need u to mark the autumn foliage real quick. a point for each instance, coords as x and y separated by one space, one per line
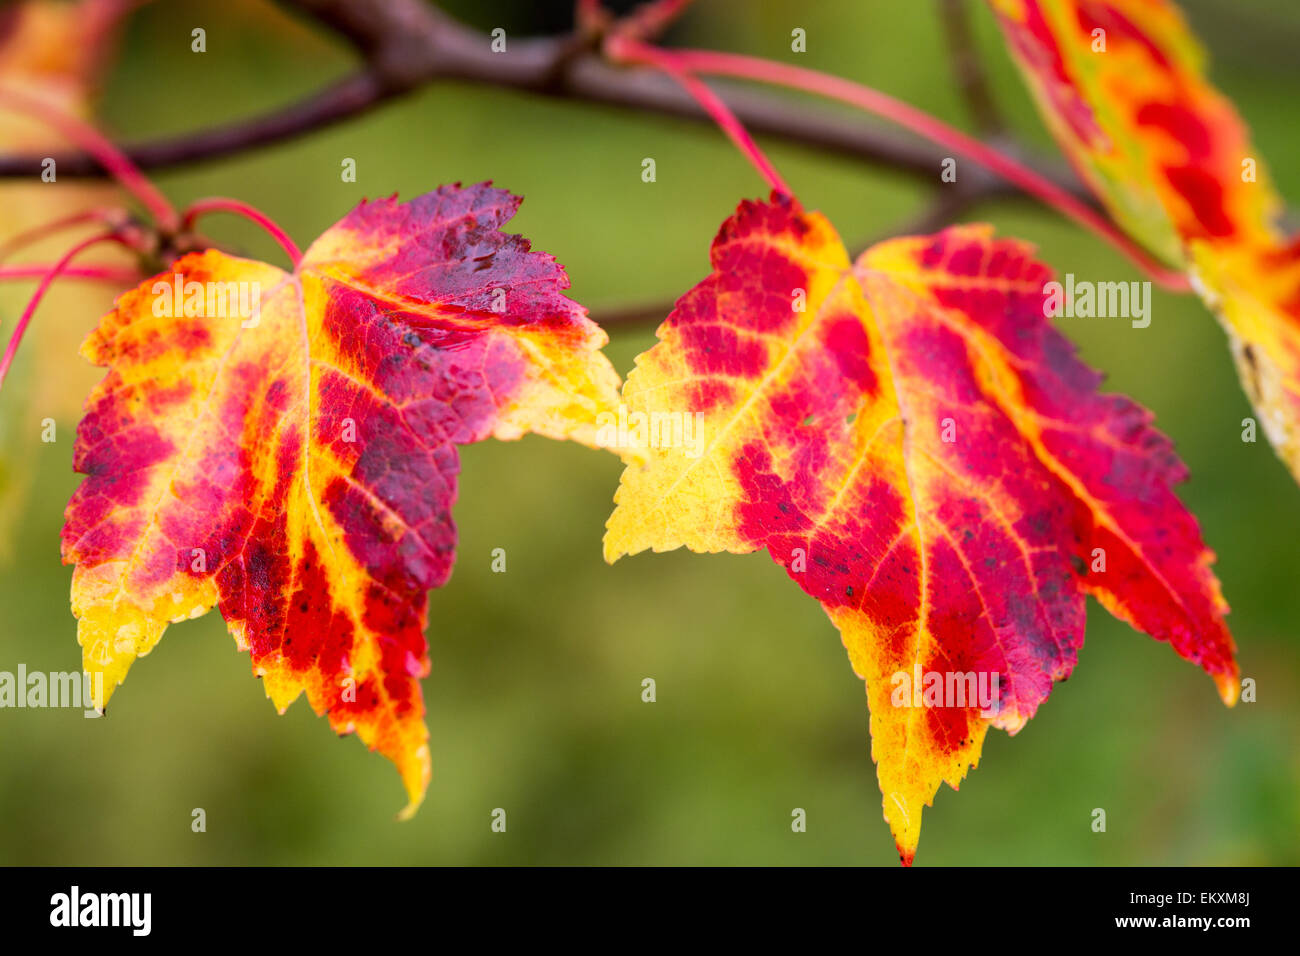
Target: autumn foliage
1122 86
831 438
905 431
295 465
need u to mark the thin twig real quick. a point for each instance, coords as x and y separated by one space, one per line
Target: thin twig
968 71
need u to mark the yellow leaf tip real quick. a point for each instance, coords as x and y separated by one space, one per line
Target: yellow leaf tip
1229 687
417 771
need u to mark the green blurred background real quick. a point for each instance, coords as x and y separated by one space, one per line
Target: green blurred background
534 703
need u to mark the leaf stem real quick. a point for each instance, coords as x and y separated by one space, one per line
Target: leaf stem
251 213
624 49
51 273
100 147
122 274
923 124
107 217
652 18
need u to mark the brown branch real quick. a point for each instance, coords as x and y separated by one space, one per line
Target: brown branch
407 44
345 99
967 69
645 312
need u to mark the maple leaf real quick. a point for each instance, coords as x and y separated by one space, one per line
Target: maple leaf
1122 86
295 464
922 451
52 52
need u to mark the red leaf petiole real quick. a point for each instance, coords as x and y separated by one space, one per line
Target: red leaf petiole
47 279
99 146
624 49
873 101
118 274
251 213
111 218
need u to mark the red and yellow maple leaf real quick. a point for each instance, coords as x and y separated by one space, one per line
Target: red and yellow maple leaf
293 460
1122 86
50 52
909 436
